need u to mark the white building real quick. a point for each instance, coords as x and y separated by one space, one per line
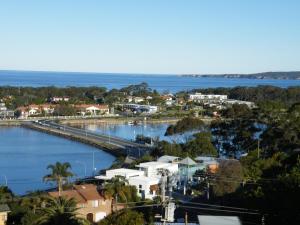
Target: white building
2 106
126 173
151 169
141 108
239 102
59 99
202 97
92 109
138 99
147 187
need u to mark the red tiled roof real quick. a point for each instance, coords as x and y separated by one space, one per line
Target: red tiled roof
69 194
81 193
88 191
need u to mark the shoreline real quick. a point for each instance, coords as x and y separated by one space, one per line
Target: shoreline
107 120
118 120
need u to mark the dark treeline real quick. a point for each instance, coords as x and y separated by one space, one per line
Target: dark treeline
20 96
265 75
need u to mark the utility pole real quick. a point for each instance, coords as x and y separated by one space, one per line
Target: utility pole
258 149
186 218
163 192
207 191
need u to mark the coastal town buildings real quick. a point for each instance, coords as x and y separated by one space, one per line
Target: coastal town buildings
90 203
30 110
217 101
35 110
151 169
147 187
57 99
48 109
4 112
147 178
136 108
206 97
92 109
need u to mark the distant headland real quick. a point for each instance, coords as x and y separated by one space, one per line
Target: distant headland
291 75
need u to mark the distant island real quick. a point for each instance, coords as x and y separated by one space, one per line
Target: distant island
293 75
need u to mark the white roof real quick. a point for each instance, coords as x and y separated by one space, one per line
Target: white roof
152 164
120 172
188 161
167 158
123 170
205 158
219 220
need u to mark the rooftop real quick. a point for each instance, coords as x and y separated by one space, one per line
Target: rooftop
81 193
219 220
4 208
167 158
187 161
152 164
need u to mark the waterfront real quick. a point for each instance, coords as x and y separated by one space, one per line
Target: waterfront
25 154
172 83
129 132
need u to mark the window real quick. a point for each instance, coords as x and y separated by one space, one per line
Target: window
4 218
82 205
140 186
95 203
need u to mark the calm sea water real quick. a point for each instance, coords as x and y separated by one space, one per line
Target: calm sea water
130 132
161 83
25 154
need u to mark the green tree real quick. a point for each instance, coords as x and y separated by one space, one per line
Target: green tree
229 177
59 174
64 110
60 211
201 145
125 217
116 188
185 124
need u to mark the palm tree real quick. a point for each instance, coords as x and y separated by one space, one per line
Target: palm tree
116 189
59 174
60 211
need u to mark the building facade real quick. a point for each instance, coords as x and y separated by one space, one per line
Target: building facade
91 204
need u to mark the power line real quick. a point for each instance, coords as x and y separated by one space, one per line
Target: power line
221 210
220 206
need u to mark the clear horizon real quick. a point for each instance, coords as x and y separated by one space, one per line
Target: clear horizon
141 73
157 37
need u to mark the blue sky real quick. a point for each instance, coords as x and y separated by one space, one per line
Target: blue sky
150 36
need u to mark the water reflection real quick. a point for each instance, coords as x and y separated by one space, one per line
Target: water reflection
25 154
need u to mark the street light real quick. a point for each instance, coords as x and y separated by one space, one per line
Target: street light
81 163
94 168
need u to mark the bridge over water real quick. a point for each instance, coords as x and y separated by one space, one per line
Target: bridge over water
114 145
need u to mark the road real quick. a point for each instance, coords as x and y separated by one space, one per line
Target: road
131 148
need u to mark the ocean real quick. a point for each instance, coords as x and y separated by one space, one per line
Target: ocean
162 83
